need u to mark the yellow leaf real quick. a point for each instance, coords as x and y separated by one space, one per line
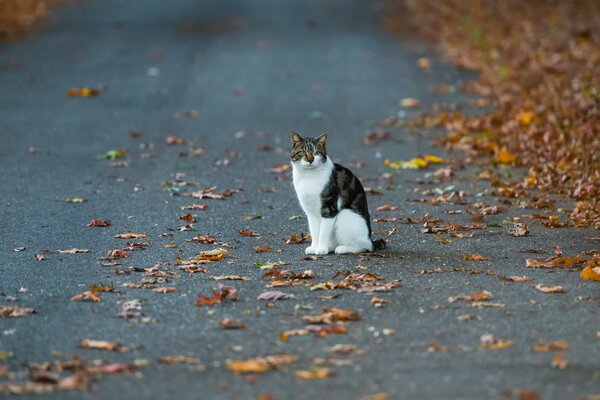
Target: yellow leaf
590 274
503 156
525 117
433 159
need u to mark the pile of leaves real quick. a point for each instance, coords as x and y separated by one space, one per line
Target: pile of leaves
18 17
538 65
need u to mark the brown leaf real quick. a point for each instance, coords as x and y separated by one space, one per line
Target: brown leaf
559 362
131 235
332 314
519 229
230 278
388 207
318 373
302 238
246 232
542 287
175 141
89 295
103 345
260 364
490 343
190 218
14 312
280 168
590 274
558 345
263 249
98 223
203 239
475 257
513 278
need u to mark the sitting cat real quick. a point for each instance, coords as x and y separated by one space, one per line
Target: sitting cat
333 199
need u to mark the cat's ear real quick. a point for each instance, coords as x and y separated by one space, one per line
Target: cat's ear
296 138
322 139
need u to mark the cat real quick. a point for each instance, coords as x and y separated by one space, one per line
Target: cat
333 200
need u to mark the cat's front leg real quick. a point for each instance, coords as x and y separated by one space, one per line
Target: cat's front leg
314 222
325 243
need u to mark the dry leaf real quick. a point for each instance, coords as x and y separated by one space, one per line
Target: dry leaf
230 278
261 364
98 223
409 102
232 323
179 360
14 312
489 342
558 345
89 295
275 295
559 362
475 257
263 249
542 287
203 239
246 232
73 251
388 207
318 373
590 274
513 278
103 345
131 235
169 289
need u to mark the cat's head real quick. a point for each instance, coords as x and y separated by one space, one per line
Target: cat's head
307 152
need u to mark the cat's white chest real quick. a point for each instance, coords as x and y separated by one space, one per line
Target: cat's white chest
309 185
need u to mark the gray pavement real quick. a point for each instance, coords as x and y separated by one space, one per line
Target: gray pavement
263 68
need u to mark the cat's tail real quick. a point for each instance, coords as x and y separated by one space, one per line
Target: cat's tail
378 244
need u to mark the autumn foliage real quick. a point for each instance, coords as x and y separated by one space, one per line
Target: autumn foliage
18 17
537 65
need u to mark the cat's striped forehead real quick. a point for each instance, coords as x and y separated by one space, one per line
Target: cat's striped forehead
308 146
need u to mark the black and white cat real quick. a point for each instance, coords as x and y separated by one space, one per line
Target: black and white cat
332 198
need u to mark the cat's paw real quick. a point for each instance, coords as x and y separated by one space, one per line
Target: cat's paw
310 250
321 251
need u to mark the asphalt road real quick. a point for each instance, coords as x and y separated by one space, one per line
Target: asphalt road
263 68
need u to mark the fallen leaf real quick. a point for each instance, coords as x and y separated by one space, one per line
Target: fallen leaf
558 345
559 362
103 345
89 295
302 238
503 156
513 278
246 232
98 223
83 92
475 257
169 289
203 239
195 207
519 229
15 312
490 343
230 278
73 251
260 364
409 102
232 323
175 141
189 218
542 287
388 207
131 235
590 274
212 255
332 314
280 168
263 249
179 360
75 200
318 373
275 295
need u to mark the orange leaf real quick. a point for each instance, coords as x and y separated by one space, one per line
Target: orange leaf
591 274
